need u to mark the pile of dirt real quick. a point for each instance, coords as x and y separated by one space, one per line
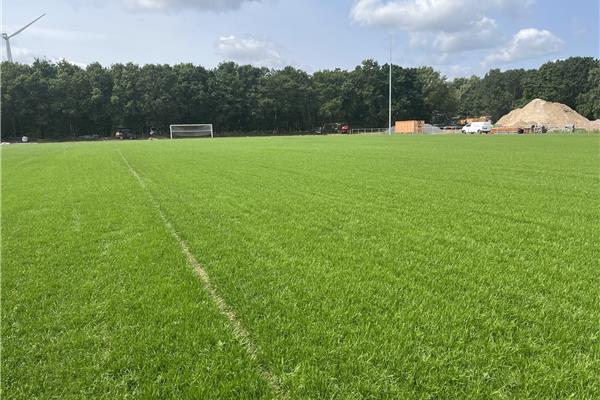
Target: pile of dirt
551 115
594 126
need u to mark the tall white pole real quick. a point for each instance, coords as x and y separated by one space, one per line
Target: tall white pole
8 52
390 91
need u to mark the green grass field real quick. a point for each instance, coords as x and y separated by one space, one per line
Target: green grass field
437 267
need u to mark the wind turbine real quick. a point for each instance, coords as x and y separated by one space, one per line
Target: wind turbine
7 37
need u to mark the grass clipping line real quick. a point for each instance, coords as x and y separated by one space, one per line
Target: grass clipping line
240 333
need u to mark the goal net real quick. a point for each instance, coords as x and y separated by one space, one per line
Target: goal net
191 130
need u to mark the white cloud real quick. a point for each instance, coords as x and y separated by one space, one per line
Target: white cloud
59 59
249 50
429 15
440 27
526 44
57 34
479 35
202 5
19 54
27 56
458 70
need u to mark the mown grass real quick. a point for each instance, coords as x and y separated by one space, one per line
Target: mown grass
97 300
363 267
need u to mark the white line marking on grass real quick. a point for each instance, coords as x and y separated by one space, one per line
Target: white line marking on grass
240 333
76 217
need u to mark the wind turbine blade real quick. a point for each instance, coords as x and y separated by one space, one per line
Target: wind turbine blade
26 26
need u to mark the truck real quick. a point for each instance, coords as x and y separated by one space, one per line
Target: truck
477 127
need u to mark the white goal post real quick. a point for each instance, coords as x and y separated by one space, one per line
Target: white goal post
191 130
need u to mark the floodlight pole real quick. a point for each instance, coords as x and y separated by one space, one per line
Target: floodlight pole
390 89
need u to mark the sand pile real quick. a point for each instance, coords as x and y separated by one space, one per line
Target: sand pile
594 126
551 115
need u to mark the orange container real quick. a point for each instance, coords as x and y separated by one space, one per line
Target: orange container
412 126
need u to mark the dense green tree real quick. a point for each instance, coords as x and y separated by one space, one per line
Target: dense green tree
286 101
439 101
224 102
494 95
158 104
17 113
126 97
58 100
70 90
501 92
190 93
333 94
369 102
588 103
97 105
561 81
469 95
41 100
408 101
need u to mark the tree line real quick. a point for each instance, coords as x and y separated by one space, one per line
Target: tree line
58 100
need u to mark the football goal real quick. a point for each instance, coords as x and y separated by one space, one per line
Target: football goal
191 130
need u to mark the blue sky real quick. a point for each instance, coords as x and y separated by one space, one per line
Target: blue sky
457 37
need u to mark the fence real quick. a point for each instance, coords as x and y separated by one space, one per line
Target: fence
369 130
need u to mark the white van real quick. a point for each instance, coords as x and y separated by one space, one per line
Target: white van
477 127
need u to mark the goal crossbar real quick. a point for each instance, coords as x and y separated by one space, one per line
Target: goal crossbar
191 130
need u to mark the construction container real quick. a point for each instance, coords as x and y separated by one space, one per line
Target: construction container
412 126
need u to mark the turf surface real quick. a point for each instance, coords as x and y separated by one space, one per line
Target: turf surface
362 267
